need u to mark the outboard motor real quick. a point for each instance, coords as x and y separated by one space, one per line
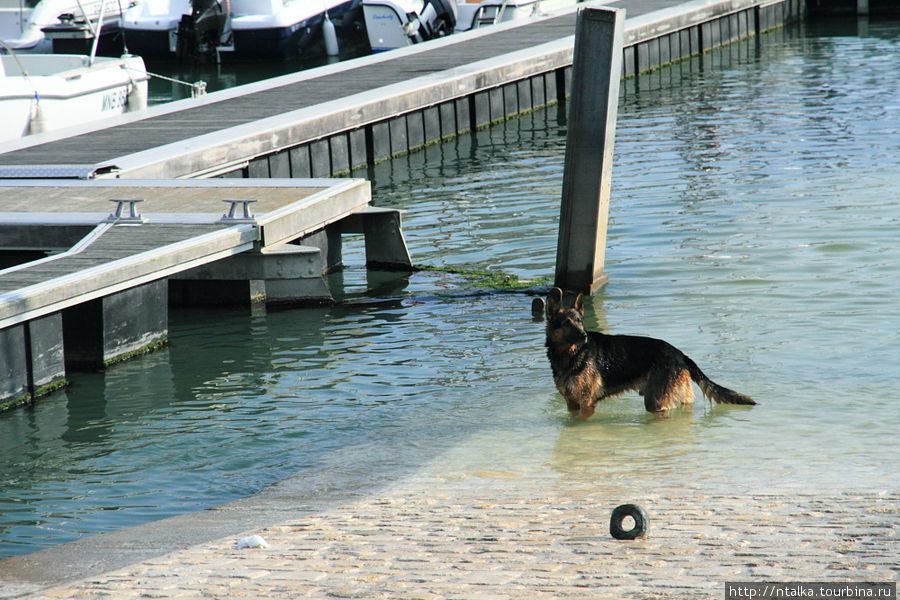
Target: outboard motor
438 19
200 32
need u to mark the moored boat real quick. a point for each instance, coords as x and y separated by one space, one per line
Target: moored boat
397 23
473 15
22 22
239 29
45 92
394 24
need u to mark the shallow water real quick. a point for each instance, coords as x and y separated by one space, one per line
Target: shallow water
753 224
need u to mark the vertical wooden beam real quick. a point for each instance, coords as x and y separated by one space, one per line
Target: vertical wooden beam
597 69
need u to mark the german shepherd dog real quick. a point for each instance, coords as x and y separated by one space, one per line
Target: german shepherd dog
589 366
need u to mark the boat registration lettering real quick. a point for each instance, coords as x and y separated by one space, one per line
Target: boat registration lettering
115 100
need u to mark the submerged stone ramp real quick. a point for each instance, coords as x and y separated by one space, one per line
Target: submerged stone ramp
495 535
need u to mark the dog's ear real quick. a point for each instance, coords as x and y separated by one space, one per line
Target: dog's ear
579 304
554 300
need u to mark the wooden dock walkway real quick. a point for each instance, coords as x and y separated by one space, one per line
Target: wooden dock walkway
180 225
90 273
325 121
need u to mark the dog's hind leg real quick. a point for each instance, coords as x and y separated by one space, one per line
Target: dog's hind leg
681 390
666 389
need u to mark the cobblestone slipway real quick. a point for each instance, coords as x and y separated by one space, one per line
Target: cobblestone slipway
496 535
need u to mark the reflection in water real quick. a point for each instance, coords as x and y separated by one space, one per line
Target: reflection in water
752 225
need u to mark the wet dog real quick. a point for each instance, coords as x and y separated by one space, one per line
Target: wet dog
589 366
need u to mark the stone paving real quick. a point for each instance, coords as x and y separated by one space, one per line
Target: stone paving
497 536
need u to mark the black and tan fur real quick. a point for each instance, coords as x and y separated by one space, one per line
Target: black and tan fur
589 366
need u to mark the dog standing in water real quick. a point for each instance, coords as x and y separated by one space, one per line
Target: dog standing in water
589 366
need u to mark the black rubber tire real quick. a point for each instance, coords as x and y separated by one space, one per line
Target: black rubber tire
641 522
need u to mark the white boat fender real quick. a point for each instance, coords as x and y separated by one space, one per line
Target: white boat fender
38 121
330 35
137 94
136 98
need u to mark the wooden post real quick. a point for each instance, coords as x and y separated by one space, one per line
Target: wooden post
596 71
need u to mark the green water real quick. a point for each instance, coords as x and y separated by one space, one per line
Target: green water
754 224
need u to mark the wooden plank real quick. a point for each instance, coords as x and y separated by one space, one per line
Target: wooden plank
118 243
172 199
116 256
73 280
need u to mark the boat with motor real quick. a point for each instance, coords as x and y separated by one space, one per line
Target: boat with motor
23 22
239 29
45 92
397 23
473 15
394 24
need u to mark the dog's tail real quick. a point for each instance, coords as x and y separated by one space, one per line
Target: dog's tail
713 390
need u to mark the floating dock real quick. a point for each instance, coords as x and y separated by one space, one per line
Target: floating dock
91 267
324 122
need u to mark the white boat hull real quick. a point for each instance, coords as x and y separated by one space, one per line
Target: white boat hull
392 23
64 90
22 28
280 29
386 24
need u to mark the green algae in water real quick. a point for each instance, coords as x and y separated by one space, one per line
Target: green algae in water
490 280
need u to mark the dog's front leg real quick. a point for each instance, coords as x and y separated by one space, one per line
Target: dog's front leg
580 397
591 395
587 409
572 403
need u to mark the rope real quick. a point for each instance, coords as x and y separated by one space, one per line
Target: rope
197 89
